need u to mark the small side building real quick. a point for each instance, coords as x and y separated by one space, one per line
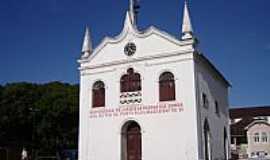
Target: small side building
258 133
250 132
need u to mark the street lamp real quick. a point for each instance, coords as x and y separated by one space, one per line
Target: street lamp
6 152
33 111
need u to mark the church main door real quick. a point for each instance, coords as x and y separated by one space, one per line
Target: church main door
132 138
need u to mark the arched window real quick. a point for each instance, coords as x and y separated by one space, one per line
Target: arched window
166 87
264 137
131 141
98 94
131 81
207 141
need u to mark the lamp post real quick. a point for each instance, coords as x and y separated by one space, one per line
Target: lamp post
33 111
6 152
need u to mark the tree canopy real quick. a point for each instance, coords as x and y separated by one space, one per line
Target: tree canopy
43 116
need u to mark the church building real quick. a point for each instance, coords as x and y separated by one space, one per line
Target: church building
146 95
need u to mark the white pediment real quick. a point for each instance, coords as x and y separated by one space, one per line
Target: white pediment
150 43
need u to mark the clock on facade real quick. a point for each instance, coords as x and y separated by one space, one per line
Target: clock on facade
130 49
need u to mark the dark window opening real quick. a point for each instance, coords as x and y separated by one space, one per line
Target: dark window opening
205 100
216 108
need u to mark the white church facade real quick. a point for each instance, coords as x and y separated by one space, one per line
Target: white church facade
145 95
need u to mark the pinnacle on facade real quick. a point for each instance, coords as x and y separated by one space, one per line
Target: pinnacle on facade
87 44
133 11
187 31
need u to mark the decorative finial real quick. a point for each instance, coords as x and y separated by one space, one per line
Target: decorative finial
187 31
87 44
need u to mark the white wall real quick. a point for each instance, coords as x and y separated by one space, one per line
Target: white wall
164 134
172 135
216 90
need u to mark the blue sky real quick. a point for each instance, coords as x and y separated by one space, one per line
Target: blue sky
40 40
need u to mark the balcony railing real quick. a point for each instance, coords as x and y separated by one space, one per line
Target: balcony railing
130 97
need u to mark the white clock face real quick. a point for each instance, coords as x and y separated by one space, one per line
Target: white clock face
130 49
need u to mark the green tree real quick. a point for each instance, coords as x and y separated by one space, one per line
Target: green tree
57 120
42 116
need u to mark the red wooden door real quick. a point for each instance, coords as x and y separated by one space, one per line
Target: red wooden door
133 142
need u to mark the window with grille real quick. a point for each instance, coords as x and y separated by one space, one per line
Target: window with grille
98 94
166 87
